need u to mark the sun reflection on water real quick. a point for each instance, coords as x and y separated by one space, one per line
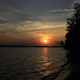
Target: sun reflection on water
44 61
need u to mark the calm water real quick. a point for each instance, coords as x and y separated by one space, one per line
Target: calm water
29 63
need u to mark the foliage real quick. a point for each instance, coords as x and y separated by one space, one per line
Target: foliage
72 42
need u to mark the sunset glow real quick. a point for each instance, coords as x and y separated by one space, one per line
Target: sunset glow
33 24
45 41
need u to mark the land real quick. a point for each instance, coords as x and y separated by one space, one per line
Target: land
25 46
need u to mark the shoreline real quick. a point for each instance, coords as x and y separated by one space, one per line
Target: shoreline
26 46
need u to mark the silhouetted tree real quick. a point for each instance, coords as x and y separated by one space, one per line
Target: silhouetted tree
62 43
72 42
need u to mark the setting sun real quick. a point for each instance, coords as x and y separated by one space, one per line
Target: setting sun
45 41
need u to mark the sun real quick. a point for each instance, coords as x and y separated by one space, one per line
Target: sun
45 41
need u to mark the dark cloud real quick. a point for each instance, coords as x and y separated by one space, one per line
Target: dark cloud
2 32
48 4
3 21
23 10
9 31
13 15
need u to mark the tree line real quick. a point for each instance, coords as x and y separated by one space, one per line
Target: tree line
72 41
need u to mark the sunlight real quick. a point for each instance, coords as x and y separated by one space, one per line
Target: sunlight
45 41
45 62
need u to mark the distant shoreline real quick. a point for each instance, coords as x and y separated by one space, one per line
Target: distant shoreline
26 46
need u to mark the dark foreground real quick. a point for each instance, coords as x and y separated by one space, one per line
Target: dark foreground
73 68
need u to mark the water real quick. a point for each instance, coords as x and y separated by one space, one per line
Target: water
30 63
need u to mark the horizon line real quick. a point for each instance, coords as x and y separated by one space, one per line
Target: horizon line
26 46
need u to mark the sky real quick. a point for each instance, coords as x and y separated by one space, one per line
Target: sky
29 22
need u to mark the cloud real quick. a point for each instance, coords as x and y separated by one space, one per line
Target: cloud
33 25
3 21
29 26
8 27
33 19
65 10
15 10
59 16
17 16
13 15
2 32
35 16
77 1
48 30
34 10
